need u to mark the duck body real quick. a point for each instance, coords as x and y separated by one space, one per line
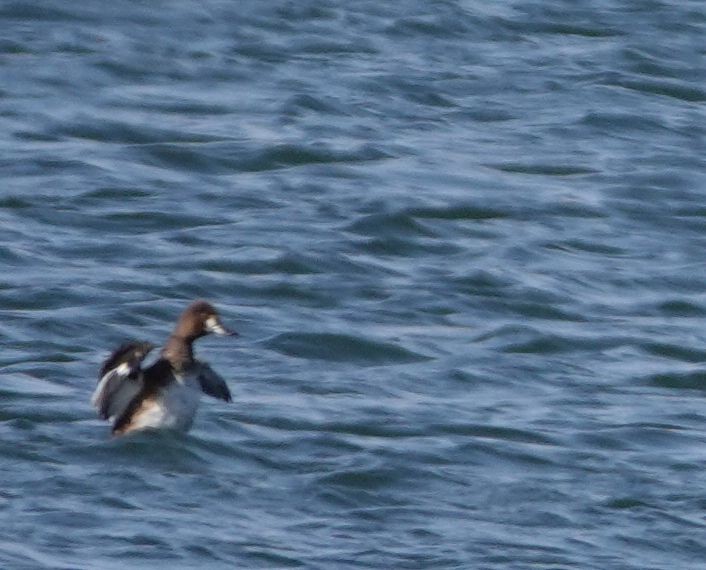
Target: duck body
171 397
166 394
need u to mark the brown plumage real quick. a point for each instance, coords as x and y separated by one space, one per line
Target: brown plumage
166 393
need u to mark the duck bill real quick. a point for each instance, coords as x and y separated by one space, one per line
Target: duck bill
214 325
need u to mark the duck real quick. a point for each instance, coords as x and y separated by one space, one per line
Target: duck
164 395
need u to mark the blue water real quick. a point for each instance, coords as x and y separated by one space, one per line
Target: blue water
464 244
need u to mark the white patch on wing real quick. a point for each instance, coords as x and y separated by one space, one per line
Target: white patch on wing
115 391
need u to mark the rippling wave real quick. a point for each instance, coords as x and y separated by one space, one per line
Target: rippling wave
463 245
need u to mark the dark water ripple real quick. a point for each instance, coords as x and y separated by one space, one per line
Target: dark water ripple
463 245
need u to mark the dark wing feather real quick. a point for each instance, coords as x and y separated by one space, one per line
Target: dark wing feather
131 353
212 384
121 378
152 379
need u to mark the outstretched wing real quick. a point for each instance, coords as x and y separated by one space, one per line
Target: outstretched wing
212 384
120 379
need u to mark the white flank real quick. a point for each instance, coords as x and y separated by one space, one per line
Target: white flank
175 407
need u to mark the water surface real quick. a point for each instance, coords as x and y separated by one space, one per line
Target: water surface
463 244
